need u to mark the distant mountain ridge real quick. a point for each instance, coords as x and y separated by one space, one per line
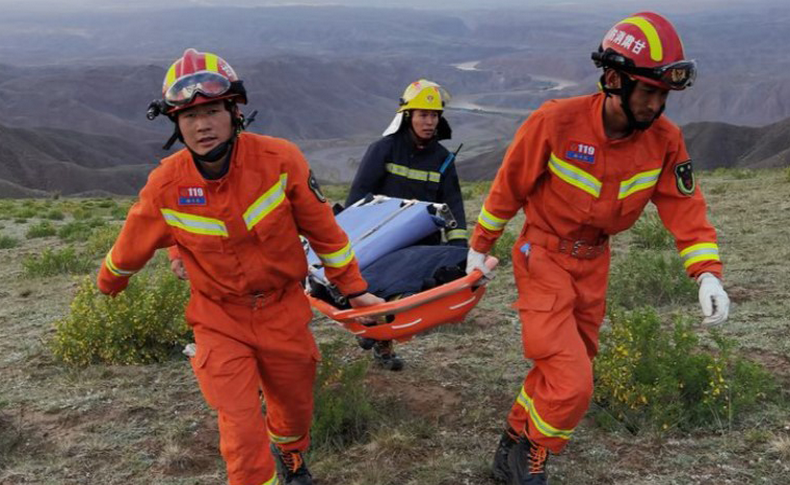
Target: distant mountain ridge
49 160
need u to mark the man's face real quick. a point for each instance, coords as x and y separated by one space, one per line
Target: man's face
205 126
424 123
646 101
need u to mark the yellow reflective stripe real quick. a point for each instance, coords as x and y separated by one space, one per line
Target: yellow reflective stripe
545 428
412 173
700 252
273 480
490 221
575 176
170 78
456 234
195 224
266 203
396 169
211 62
656 49
114 269
281 440
640 181
338 259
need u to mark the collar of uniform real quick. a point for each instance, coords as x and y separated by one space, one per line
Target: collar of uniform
194 171
596 112
407 139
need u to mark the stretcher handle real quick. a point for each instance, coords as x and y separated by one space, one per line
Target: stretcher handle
399 306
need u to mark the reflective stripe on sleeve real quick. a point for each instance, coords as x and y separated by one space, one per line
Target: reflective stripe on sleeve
266 203
413 173
195 224
490 221
114 269
456 234
700 252
640 181
575 176
545 428
338 259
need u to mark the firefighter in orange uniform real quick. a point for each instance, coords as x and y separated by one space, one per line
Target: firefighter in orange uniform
583 169
234 204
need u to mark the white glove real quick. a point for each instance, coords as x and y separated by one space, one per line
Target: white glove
475 260
713 299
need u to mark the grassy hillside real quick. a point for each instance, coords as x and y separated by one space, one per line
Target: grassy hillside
437 421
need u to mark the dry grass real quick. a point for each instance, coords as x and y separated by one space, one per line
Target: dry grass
442 415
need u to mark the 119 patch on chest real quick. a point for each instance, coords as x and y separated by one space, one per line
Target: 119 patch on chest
192 196
583 152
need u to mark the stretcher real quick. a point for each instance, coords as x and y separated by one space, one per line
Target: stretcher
378 226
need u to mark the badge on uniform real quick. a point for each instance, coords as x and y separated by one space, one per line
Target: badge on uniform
684 178
191 196
312 182
583 152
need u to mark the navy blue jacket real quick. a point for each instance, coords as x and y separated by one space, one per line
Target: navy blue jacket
395 167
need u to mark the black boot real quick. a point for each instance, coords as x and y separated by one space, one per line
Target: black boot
500 468
366 343
384 356
291 467
527 462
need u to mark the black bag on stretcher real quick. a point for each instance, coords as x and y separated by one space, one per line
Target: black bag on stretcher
427 285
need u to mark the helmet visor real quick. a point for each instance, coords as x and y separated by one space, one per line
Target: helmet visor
678 75
184 90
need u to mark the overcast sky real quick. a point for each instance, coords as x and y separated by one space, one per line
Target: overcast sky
54 5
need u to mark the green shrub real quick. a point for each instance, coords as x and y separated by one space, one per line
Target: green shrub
102 239
651 378
42 229
640 278
503 246
736 173
54 262
20 220
25 213
83 212
96 222
55 215
8 242
75 231
143 324
343 408
106 203
649 233
475 190
121 209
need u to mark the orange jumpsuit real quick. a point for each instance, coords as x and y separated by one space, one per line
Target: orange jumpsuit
239 240
577 187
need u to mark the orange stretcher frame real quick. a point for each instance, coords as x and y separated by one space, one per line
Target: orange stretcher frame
403 319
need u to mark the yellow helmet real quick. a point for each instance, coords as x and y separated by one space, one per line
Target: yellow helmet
424 94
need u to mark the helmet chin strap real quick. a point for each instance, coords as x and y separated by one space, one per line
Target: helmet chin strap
216 153
625 90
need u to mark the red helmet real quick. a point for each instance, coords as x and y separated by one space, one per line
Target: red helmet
647 47
200 73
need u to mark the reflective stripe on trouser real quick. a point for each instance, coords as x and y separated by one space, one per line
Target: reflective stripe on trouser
242 349
561 306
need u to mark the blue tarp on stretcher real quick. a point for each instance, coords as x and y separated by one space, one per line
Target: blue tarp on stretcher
383 226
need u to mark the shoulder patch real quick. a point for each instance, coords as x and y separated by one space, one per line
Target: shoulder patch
312 182
684 178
